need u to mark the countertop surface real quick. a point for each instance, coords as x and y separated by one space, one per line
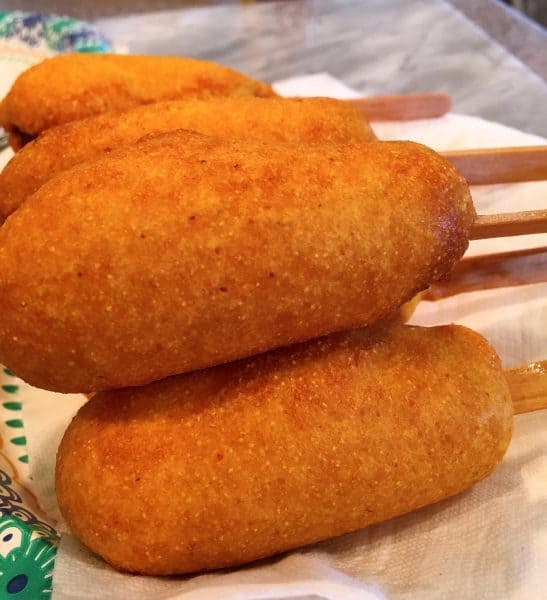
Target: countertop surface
490 60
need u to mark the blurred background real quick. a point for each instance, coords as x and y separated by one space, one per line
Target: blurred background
85 9
519 25
535 9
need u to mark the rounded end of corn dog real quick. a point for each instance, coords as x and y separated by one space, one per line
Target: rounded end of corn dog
16 138
234 463
69 87
148 265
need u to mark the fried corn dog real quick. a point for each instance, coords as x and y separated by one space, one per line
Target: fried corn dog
186 251
246 460
69 87
313 120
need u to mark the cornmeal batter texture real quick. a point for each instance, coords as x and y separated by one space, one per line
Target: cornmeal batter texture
69 87
225 272
245 460
185 251
306 120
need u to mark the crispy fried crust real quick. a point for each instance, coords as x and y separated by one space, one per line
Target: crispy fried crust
307 120
242 461
186 251
74 86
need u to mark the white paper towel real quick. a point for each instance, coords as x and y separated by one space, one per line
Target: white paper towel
488 543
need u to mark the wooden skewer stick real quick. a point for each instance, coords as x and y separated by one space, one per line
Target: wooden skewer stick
405 107
500 165
479 166
528 385
509 224
490 271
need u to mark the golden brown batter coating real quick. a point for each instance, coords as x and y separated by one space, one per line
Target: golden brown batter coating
69 87
186 251
308 120
245 460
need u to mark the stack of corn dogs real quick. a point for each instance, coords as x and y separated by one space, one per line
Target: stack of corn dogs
231 296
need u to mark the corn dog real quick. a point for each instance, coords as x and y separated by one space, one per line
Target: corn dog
313 120
69 87
249 459
186 251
